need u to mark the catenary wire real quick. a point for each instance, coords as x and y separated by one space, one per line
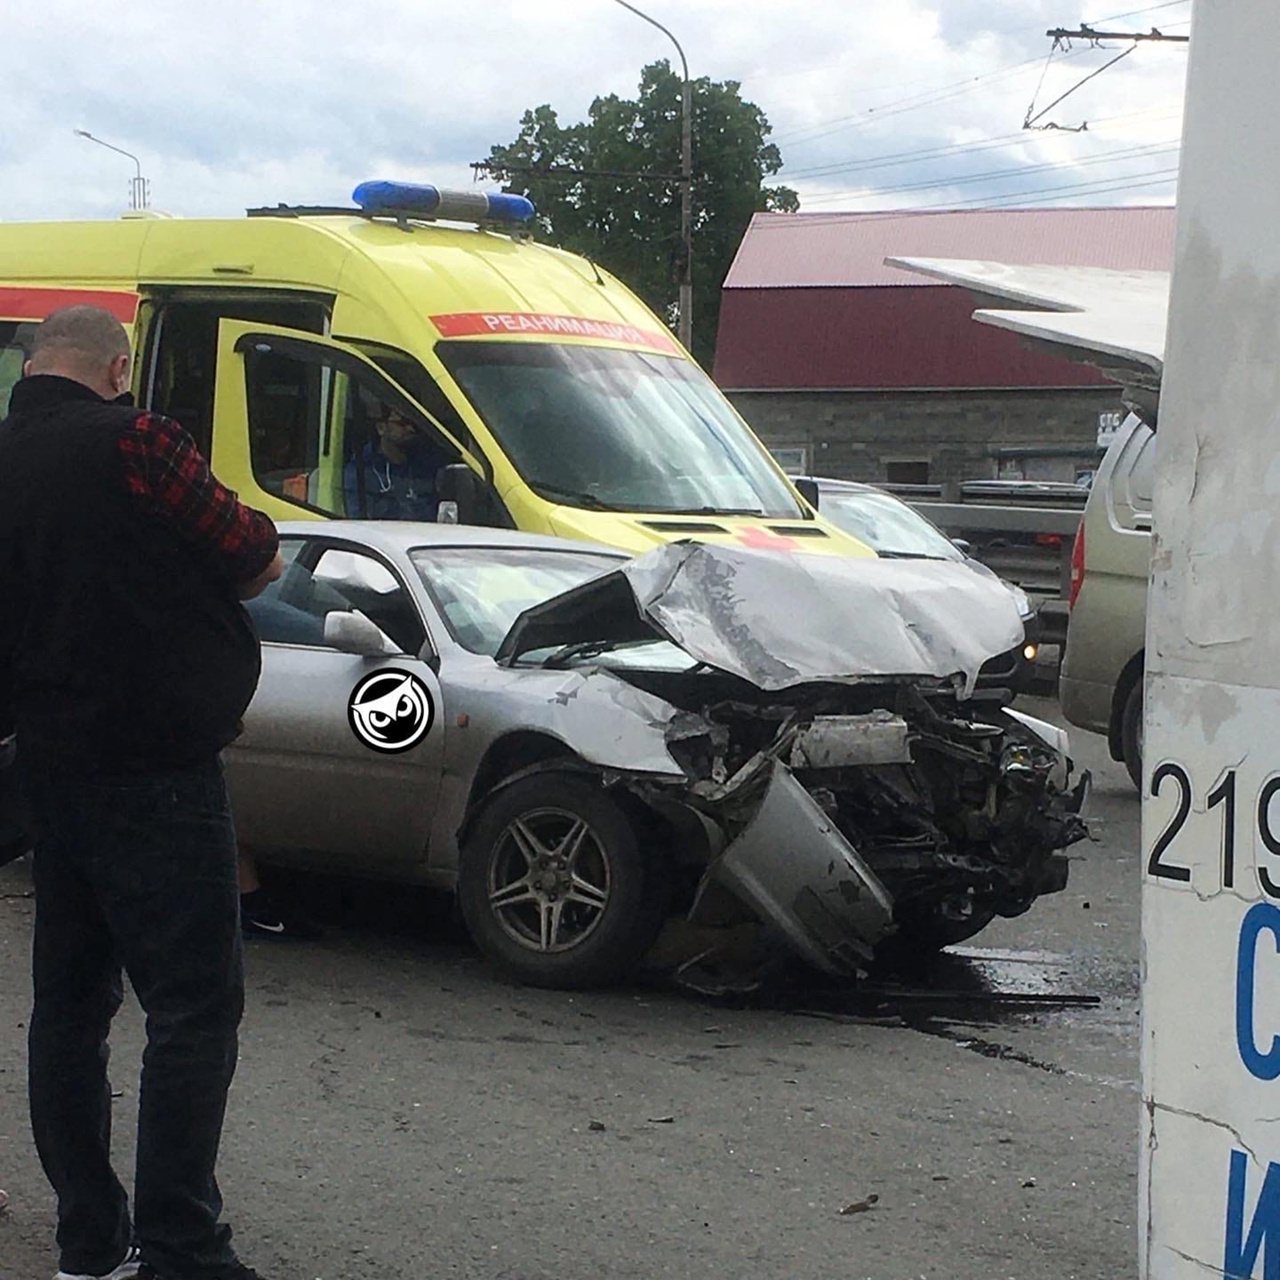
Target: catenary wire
937 184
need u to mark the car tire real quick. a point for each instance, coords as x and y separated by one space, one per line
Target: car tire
556 886
1131 733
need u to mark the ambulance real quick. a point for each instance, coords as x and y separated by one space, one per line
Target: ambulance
546 395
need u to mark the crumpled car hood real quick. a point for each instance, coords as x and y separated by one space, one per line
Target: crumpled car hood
783 620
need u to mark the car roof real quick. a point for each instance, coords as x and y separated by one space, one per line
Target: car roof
844 486
399 536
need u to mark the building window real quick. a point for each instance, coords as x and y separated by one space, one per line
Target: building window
906 472
793 459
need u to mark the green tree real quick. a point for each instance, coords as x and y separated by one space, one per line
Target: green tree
631 225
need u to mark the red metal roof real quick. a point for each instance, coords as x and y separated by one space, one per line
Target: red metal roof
809 304
807 250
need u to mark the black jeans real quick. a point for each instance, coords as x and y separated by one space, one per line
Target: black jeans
139 873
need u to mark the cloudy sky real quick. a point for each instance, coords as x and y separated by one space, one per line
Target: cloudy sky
874 103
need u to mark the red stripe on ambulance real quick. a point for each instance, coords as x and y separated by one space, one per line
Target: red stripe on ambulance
35 304
473 324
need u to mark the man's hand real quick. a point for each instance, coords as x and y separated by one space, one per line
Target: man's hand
255 587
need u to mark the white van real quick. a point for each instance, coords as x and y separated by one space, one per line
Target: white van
1102 670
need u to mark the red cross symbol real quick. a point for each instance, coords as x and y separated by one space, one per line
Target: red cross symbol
762 540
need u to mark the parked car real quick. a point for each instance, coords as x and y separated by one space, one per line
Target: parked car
579 744
896 531
1102 671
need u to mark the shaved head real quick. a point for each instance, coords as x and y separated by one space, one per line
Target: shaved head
87 344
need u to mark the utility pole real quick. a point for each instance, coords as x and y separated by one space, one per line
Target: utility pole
1083 32
685 324
1062 39
138 195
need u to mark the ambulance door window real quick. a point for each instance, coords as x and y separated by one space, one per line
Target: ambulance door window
336 442
13 343
184 352
410 374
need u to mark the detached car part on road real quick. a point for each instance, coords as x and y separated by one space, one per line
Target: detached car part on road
581 744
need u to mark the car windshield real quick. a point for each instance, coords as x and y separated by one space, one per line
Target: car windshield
481 591
618 430
889 527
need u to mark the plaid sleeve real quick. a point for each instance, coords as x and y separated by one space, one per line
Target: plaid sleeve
168 476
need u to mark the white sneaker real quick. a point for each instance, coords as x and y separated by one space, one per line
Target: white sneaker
127 1269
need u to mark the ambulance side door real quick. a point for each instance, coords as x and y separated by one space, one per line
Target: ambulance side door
295 413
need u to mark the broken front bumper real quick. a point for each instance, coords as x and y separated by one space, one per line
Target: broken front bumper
799 872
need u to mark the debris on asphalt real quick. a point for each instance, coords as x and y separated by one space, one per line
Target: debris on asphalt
860 1206
595 1126
662 1119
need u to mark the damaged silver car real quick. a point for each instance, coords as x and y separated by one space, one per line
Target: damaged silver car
582 745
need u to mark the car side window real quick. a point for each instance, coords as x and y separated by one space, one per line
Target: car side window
335 580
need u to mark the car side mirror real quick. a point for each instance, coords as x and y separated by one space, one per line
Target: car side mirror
807 488
965 548
351 632
458 489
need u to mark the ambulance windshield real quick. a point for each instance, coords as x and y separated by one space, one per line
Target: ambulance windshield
618 430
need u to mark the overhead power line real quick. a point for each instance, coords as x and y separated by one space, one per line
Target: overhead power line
1137 13
893 159
944 184
1009 200
499 169
805 133
869 115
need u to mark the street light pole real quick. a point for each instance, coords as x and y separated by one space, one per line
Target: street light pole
137 184
685 320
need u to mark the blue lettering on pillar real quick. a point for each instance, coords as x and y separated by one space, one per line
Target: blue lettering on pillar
1262 917
1241 1253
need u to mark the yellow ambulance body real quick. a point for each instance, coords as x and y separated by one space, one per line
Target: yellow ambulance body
556 400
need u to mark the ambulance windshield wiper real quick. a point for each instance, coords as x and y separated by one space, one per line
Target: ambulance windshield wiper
571 496
711 511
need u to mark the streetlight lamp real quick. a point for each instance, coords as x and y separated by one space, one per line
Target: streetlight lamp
685 329
137 184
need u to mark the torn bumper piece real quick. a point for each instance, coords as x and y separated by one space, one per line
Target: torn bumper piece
802 876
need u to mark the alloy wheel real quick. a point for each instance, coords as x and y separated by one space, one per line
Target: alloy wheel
549 880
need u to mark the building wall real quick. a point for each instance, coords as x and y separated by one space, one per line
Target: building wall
958 435
886 336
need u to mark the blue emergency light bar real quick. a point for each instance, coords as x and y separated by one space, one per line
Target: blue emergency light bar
410 199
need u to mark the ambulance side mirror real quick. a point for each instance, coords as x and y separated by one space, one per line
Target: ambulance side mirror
459 491
807 488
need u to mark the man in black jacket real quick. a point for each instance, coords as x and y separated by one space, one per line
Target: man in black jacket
126 662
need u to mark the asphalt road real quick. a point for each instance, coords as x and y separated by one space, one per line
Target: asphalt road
399 1112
